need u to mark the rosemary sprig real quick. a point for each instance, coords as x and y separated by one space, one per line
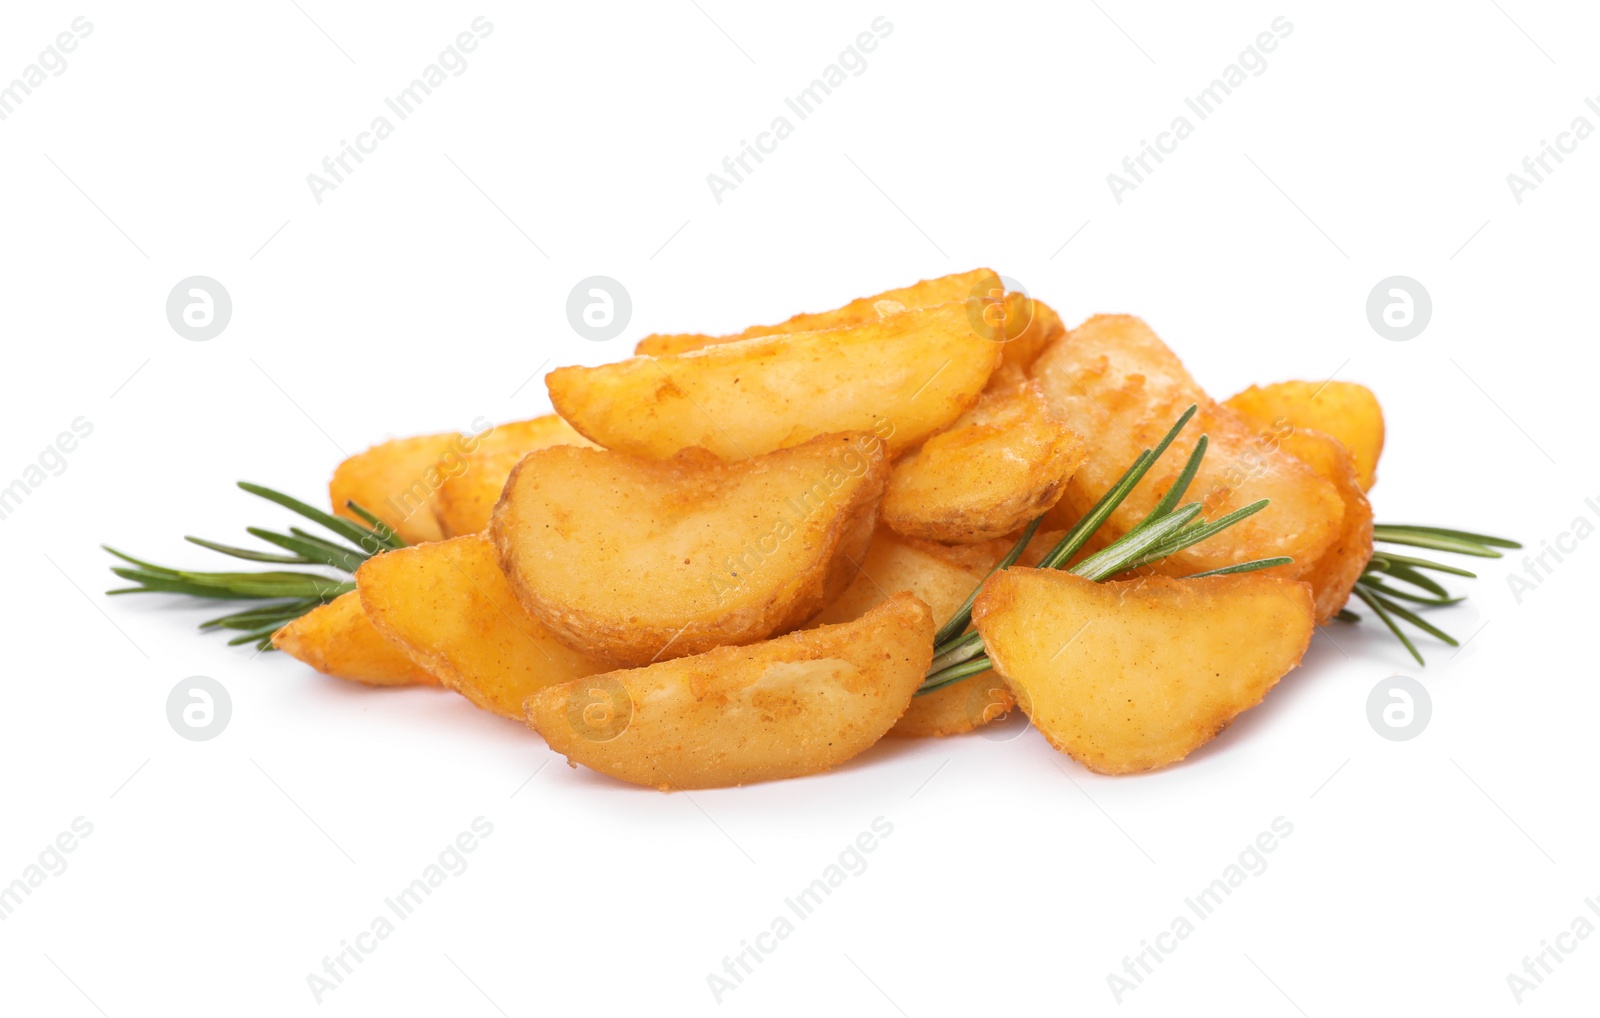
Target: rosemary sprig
1373 588
1167 529
285 594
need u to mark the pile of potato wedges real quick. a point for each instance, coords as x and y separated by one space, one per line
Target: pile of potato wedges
724 559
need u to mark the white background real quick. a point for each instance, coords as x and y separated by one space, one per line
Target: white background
427 289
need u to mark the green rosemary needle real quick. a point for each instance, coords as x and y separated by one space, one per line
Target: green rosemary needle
285 595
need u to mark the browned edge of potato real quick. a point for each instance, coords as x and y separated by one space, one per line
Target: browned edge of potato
466 497
787 707
1346 410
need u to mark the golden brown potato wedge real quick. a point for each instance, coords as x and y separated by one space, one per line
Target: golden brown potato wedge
642 560
1336 571
998 466
1345 410
449 606
927 293
895 564
1130 676
1121 388
470 489
1031 326
338 639
396 481
790 706
904 377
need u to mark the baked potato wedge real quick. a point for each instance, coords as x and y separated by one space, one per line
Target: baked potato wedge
397 481
925 294
338 639
638 560
1334 574
468 493
895 564
1129 676
998 466
1031 326
1120 387
1345 410
905 376
783 708
449 607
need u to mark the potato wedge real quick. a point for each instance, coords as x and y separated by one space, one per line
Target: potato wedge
895 564
641 560
1120 387
998 466
449 607
1130 676
787 707
905 377
1345 410
927 293
1336 571
1039 327
396 481
338 639
473 484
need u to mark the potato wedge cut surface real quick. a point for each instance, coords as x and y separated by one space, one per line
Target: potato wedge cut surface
1130 676
473 483
641 560
1120 387
998 466
904 377
338 639
895 564
1335 572
794 705
1345 410
927 293
449 606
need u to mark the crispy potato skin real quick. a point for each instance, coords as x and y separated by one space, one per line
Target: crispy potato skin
338 639
1031 325
642 560
893 564
998 466
1120 387
1131 676
1335 573
1345 410
397 481
448 606
473 482
795 705
905 377
927 293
